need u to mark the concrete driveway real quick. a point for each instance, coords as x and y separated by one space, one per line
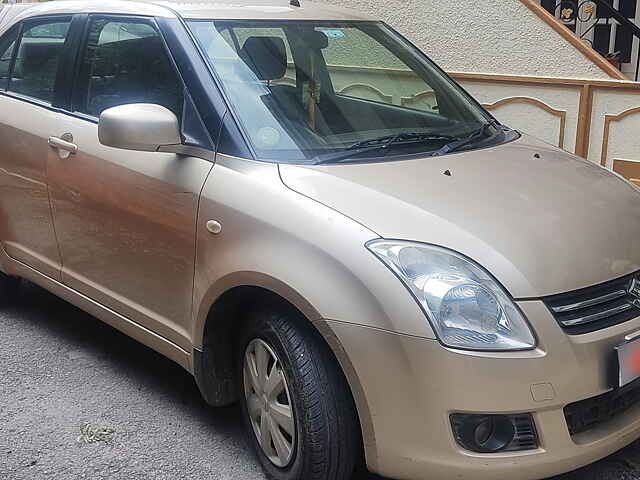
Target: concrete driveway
79 400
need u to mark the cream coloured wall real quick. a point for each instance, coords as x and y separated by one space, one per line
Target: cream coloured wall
539 115
616 138
607 111
487 36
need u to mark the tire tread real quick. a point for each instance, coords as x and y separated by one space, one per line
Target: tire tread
332 448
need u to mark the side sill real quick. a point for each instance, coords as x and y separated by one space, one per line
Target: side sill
108 316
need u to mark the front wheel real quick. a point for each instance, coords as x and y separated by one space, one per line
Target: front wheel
296 404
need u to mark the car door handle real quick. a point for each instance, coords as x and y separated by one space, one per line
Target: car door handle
63 144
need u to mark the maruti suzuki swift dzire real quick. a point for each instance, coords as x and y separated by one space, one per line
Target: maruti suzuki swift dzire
297 206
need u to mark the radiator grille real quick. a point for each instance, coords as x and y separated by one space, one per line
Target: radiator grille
597 307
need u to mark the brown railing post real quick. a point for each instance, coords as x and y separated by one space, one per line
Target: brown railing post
585 111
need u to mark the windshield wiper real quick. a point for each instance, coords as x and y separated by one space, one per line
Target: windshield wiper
481 132
388 140
381 143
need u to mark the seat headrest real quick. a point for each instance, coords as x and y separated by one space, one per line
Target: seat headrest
266 56
316 40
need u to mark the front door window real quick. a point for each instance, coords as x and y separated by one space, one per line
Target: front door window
125 62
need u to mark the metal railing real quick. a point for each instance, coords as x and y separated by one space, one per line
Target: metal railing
584 17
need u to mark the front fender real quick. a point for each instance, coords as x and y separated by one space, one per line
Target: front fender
248 279
309 254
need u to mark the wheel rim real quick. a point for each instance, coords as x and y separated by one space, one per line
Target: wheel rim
269 403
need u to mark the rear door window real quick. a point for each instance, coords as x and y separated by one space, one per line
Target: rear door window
125 61
38 58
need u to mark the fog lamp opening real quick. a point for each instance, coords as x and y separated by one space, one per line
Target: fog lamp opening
494 433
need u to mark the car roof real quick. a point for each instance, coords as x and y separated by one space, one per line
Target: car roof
261 9
195 9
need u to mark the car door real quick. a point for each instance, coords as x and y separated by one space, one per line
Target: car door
32 61
126 220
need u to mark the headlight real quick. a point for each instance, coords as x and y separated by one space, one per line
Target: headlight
465 305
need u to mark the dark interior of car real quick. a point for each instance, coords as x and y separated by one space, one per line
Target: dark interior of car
35 68
267 57
131 71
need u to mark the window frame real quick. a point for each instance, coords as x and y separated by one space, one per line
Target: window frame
79 85
217 118
419 61
201 93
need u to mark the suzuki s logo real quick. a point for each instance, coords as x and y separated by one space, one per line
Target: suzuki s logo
634 290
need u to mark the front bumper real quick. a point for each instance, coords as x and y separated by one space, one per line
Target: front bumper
409 386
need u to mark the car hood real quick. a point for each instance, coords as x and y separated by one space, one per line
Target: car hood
541 220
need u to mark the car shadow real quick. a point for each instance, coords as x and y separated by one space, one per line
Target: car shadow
150 371
154 373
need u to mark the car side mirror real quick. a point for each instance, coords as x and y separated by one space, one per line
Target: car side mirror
143 127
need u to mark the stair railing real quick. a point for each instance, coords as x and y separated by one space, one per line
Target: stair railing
577 12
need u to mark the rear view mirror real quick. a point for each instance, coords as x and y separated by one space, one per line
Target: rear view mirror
139 126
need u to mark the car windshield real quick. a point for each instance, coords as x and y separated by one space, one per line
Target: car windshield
323 92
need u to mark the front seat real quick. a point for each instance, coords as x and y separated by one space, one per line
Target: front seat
267 58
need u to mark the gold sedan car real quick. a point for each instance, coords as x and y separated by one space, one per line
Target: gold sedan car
296 205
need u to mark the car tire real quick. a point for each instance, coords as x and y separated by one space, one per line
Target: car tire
324 443
9 287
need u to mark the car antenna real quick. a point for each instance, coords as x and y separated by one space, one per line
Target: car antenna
294 3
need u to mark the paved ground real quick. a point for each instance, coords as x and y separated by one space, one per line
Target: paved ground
78 400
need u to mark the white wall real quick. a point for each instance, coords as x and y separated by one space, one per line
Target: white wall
482 36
